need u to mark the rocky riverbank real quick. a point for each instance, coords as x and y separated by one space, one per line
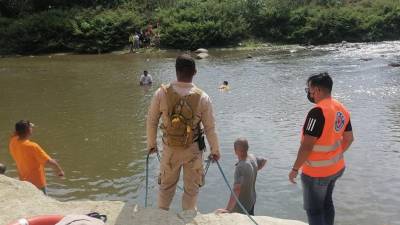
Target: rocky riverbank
22 200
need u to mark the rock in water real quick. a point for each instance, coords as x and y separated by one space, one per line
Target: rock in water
202 55
366 59
201 50
394 64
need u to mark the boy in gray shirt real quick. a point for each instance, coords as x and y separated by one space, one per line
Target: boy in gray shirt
245 179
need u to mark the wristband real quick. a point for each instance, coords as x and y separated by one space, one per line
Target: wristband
295 170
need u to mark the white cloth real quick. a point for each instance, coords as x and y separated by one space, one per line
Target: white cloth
145 80
79 220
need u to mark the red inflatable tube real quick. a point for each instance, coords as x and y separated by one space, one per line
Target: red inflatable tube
39 220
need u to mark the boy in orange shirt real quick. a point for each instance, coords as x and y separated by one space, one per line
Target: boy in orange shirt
30 157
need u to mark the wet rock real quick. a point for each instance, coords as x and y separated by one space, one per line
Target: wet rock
201 50
366 59
249 56
202 55
394 64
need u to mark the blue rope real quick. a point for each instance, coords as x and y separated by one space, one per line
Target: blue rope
147 179
233 193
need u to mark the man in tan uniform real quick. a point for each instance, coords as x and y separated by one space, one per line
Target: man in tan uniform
184 110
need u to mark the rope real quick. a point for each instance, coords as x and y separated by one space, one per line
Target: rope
233 193
147 179
205 173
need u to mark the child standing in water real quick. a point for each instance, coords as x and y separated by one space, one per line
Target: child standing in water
245 179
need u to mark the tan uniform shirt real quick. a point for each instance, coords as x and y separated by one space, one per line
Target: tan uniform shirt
159 108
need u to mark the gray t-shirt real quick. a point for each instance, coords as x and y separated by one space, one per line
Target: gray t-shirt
246 175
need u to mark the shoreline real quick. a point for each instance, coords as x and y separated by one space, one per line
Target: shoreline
248 45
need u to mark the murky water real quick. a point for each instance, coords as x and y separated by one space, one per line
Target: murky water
90 115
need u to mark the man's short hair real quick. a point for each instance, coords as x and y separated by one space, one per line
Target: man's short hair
22 127
185 64
241 143
3 169
321 80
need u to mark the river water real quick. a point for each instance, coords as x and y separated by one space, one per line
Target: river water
90 115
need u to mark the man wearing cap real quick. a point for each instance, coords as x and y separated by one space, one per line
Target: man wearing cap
185 110
29 157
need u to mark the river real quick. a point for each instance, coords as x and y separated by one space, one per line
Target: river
90 115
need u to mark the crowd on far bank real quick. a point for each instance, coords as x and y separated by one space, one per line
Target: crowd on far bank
144 38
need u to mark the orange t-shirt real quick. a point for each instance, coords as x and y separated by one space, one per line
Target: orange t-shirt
30 159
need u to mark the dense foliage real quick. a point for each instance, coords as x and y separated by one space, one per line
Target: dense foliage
68 30
35 26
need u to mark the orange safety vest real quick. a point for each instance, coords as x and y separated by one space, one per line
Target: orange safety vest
326 158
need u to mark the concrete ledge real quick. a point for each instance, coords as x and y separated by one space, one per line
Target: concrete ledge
22 200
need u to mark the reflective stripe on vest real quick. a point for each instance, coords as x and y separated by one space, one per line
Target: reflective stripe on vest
327 148
323 163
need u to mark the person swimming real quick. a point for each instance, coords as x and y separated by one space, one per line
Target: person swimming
224 86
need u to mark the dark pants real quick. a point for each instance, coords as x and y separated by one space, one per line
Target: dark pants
237 209
44 190
317 196
251 211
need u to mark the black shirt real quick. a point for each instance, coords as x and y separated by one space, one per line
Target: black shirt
315 122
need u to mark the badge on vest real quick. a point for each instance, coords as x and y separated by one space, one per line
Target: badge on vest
339 121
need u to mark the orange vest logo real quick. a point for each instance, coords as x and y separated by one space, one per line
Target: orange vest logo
339 121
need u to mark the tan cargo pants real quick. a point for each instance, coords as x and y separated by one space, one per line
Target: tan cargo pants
172 161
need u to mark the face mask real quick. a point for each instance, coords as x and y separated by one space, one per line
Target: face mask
312 100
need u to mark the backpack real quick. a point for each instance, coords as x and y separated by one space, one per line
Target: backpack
179 129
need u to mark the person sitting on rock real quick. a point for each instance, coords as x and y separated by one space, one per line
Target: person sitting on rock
29 157
3 168
224 86
245 179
